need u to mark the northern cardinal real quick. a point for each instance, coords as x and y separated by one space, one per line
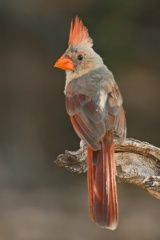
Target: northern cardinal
94 104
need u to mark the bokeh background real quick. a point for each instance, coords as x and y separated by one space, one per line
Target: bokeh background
38 200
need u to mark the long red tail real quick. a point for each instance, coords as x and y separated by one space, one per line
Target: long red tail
102 184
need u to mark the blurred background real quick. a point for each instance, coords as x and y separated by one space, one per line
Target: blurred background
38 200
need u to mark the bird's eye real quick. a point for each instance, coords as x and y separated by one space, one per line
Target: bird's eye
80 57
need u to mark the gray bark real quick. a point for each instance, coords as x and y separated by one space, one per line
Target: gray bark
137 163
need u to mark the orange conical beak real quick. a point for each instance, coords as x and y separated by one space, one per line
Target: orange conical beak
64 63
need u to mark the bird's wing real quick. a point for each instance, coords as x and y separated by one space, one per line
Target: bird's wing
116 120
87 119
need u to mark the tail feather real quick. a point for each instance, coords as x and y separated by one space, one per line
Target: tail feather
102 184
91 178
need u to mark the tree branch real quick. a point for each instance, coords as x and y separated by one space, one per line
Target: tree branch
137 163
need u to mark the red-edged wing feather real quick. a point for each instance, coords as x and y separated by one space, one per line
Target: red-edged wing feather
116 120
87 119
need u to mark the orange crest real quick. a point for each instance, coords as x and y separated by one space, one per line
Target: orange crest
79 34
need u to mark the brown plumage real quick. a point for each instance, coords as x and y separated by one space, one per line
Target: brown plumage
94 104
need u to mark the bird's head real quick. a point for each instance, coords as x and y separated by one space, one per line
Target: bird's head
80 57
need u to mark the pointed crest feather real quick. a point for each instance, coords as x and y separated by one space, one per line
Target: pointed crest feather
79 34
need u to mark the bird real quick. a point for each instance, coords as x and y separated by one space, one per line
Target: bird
94 104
